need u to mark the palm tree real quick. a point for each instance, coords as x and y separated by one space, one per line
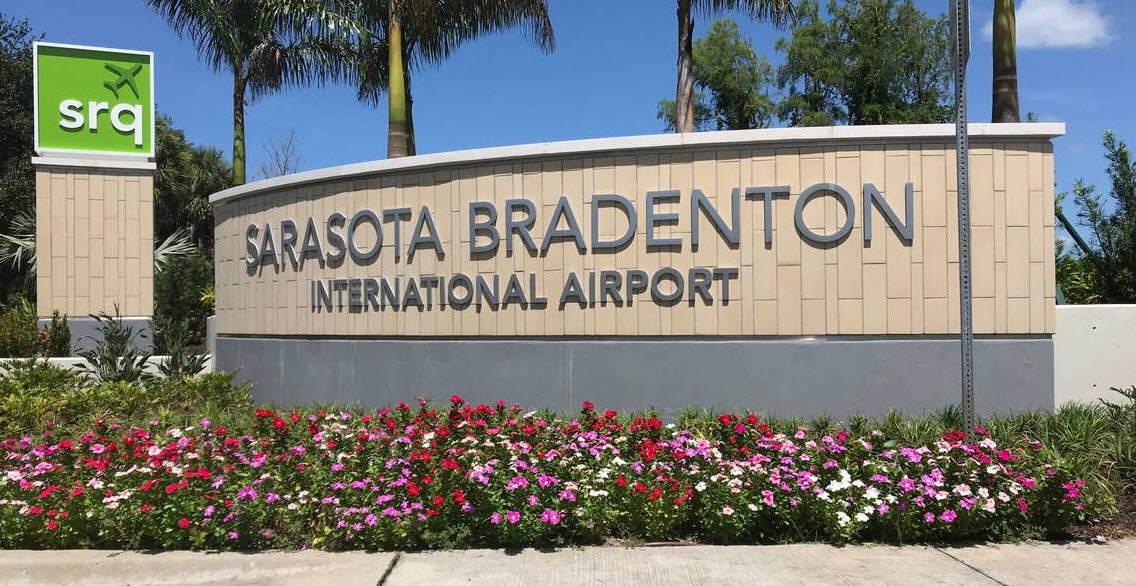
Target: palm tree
1005 103
263 44
407 34
777 12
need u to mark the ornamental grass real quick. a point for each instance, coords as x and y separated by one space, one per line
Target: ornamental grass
463 475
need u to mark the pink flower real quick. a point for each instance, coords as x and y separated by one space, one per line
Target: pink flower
949 516
513 517
550 516
495 518
929 517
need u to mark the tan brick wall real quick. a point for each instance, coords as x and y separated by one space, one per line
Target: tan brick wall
94 241
791 288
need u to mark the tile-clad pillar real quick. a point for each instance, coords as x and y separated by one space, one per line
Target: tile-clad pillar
95 242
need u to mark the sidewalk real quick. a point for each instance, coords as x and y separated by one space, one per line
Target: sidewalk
1027 563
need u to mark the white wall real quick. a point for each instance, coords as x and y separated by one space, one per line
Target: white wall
1094 348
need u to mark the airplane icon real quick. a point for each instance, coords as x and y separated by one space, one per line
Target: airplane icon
125 78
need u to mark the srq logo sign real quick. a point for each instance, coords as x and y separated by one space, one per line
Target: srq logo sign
90 99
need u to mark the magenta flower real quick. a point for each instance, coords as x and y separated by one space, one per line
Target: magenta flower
550 516
513 517
495 518
949 516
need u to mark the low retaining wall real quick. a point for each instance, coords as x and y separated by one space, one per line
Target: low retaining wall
839 375
1094 349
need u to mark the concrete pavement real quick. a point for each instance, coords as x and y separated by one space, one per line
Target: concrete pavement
1026 563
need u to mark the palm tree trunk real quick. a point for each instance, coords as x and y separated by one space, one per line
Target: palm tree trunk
411 149
684 93
1005 99
239 84
396 127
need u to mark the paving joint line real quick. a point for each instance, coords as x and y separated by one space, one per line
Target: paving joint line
390 569
991 578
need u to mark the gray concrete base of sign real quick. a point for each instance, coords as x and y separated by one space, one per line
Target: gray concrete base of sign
85 332
839 376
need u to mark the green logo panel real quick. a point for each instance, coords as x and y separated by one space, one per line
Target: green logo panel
94 100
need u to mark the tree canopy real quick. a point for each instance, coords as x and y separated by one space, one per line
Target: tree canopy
1107 272
17 177
869 62
732 83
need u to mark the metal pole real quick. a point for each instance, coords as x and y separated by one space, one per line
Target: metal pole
960 13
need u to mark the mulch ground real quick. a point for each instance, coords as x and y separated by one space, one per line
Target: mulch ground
1119 525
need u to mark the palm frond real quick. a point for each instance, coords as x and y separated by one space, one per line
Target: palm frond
180 243
18 246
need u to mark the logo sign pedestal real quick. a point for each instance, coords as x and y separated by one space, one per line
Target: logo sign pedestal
94 141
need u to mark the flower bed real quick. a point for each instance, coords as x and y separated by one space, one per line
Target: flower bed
494 476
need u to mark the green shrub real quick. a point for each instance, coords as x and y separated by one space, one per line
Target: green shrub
36 396
115 356
18 330
56 339
178 290
174 336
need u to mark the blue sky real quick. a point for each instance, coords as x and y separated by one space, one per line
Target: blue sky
614 60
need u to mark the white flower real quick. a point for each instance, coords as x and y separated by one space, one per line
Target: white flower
842 519
752 507
872 493
701 486
861 517
726 510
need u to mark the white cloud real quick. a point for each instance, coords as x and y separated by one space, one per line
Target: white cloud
1058 24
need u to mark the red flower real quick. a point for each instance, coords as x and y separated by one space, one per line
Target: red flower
412 489
47 491
954 436
438 501
183 523
658 492
725 419
621 482
589 406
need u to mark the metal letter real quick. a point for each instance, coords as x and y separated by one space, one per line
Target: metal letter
768 193
431 240
699 201
334 239
520 227
486 228
653 219
563 210
821 189
628 210
358 256
906 231
657 293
